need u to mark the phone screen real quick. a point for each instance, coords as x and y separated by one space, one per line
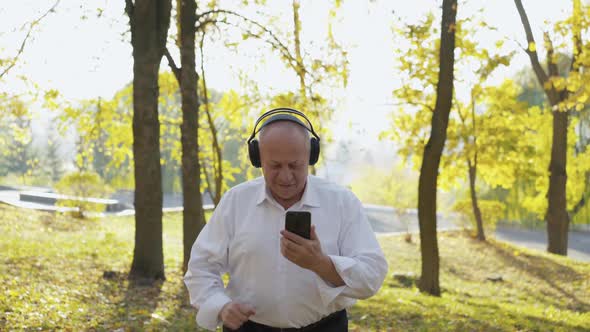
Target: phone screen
298 222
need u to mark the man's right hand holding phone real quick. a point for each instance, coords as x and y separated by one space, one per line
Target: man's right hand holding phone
308 254
234 314
305 253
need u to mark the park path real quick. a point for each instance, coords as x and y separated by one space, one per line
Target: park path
578 242
386 220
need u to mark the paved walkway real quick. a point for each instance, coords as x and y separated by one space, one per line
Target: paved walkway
11 197
578 242
386 220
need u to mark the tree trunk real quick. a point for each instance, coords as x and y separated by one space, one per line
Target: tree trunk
476 211
556 217
149 22
193 215
427 186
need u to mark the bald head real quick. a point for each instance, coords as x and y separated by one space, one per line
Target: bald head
286 131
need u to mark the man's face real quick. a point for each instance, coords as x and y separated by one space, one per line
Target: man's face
284 154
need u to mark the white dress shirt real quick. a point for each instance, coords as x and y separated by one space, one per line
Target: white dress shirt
242 238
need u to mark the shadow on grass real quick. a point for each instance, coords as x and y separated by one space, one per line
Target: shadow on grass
135 308
524 322
540 268
182 317
384 315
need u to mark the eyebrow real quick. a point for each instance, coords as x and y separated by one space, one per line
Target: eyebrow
289 162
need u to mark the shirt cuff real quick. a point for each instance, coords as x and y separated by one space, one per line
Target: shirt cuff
327 291
208 314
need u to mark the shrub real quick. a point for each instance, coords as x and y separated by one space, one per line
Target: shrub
79 187
491 212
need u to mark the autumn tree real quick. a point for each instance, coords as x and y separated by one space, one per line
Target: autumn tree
526 199
487 128
565 93
149 21
16 143
464 133
187 77
53 155
427 184
469 130
222 127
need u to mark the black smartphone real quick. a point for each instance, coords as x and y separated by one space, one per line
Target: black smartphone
299 222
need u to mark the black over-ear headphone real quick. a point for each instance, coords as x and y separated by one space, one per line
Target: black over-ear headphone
278 114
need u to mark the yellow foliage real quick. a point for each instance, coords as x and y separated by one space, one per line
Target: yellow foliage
532 47
491 212
397 187
82 186
558 83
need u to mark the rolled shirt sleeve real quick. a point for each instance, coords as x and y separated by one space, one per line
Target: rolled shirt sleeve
209 259
361 263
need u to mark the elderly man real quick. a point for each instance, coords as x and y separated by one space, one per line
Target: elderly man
280 281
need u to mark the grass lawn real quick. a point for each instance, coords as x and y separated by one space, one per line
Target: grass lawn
52 278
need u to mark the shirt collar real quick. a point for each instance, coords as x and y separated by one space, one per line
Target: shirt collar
309 198
262 192
310 194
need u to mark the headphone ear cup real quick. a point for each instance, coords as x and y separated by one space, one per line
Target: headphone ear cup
314 151
254 153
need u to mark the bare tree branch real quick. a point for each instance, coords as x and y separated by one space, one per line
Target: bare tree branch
518 44
413 103
551 65
474 133
218 160
539 72
201 26
129 7
273 40
172 64
208 182
458 106
210 12
32 25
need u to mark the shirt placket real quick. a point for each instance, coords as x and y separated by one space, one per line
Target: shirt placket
282 268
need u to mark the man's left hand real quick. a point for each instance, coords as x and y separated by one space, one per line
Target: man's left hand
303 252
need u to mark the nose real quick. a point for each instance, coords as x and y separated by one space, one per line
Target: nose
285 176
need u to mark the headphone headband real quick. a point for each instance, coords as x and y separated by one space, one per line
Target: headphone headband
282 110
253 150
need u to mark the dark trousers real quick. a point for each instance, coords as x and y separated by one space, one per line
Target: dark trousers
336 322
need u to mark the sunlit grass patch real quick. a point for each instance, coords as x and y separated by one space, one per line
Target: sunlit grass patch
61 273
